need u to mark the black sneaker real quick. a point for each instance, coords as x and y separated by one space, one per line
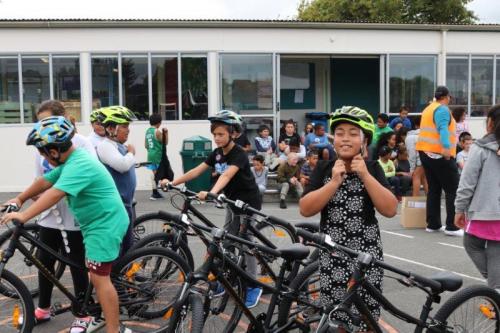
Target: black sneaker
156 195
282 204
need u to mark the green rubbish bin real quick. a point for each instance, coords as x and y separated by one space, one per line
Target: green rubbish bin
195 150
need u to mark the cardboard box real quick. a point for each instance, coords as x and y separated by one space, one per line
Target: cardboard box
413 212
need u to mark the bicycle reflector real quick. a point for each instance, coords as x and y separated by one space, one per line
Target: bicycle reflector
16 316
133 270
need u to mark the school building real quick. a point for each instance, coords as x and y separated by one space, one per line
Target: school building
268 71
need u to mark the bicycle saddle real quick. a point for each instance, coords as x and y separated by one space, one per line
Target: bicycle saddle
448 280
312 226
295 251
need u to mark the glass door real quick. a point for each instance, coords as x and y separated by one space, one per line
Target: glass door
248 87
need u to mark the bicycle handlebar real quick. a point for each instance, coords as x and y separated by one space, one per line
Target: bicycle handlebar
182 219
326 241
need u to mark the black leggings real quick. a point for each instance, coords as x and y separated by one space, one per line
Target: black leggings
53 239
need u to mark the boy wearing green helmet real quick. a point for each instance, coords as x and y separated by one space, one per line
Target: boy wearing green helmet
98 132
119 158
92 197
347 191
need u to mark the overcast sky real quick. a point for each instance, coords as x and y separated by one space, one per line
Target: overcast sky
488 11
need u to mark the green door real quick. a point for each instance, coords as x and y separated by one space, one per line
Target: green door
355 81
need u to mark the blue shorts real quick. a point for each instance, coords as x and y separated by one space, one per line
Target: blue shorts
152 166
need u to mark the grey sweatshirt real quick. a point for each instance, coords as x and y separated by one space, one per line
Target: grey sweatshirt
478 192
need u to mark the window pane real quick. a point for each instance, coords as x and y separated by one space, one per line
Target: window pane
66 73
104 82
135 85
481 86
194 88
412 81
498 83
457 81
165 94
247 83
9 91
36 85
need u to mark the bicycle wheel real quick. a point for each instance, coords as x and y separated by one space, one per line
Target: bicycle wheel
166 240
17 312
281 236
307 303
188 317
221 312
473 309
147 281
150 223
22 267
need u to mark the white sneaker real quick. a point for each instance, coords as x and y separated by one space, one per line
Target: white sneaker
435 230
95 324
458 233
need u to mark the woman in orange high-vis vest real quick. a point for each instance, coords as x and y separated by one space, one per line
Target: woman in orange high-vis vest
436 145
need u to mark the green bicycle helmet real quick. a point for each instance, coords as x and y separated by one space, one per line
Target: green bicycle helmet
356 116
227 117
94 116
114 115
51 132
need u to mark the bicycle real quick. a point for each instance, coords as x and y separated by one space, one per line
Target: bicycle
482 316
28 272
146 281
269 230
194 311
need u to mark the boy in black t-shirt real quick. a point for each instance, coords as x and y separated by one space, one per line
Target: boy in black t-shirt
234 178
287 135
241 139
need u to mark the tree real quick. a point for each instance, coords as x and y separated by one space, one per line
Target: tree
391 11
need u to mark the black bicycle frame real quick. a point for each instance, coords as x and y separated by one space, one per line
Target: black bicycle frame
16 244
358 280
212 266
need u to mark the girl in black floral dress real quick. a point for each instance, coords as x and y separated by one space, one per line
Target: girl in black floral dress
347 191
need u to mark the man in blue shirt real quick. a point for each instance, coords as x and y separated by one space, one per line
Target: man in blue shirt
403 118
319 140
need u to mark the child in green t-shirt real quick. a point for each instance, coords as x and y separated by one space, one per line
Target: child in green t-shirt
92 197
153 143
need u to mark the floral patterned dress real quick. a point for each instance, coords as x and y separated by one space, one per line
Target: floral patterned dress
349 219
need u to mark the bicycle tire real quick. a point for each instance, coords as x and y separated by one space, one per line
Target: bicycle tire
189 314
29 271
154 275
17 305
448 313
217 313
301 284
149 223
163 239
280 235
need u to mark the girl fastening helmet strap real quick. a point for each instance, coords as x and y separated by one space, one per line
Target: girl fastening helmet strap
346 192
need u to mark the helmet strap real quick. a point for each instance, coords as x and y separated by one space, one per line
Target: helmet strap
228 143
56 159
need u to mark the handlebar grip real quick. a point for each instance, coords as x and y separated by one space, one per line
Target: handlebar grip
213 196
171 217
318 238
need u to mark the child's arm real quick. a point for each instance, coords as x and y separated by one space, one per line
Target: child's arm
40 185
314 201
48 199
384 201
191 174
224 179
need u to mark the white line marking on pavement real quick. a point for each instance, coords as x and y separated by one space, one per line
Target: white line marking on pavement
452 245
433 267
397 234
